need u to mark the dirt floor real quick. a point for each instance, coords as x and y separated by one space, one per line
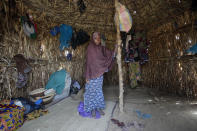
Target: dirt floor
144 110
147 110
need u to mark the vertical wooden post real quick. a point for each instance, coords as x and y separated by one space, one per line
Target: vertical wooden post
121 90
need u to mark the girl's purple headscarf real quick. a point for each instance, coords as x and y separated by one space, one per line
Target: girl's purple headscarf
98 60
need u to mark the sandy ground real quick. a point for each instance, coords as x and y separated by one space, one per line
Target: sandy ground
165 113
64 117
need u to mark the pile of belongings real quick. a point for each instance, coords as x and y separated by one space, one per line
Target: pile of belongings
41 95
27 105
14 112
31 108
61 86
59 82
58 87
69 35
29 27
135 46
23 69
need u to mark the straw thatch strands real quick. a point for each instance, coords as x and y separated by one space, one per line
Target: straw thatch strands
169 69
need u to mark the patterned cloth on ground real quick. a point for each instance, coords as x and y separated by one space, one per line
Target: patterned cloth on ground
11 116
37 113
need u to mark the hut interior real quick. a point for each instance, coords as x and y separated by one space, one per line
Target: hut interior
155 62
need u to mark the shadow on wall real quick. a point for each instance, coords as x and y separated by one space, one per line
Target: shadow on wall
111 78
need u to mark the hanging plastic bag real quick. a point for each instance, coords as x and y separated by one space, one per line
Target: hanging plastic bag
125 19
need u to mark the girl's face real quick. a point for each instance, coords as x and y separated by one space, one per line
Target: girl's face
97 40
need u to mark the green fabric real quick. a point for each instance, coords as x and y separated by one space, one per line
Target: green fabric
33 36
134 74
57 81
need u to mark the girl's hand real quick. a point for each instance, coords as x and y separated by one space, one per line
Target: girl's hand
116 49
87 81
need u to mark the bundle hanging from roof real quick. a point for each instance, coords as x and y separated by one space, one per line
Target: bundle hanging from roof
125 19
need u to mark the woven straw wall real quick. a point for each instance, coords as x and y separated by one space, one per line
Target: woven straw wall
45 56
43 52
169 68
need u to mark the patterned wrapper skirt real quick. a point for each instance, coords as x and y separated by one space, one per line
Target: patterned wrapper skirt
93 96
134 73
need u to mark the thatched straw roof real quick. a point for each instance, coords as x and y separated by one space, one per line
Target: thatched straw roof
147 14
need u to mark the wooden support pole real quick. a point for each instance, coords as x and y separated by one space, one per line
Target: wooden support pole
121 90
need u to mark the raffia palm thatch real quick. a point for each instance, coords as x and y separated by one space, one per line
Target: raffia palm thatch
43 52
169 68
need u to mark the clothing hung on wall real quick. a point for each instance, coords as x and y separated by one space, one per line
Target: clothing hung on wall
81 6
65 36
135 46
134 74
79 38
69 36
23 78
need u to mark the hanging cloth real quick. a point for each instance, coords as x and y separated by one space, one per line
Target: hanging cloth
81 6
65 36
134 74
29 27
79 38
125 18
